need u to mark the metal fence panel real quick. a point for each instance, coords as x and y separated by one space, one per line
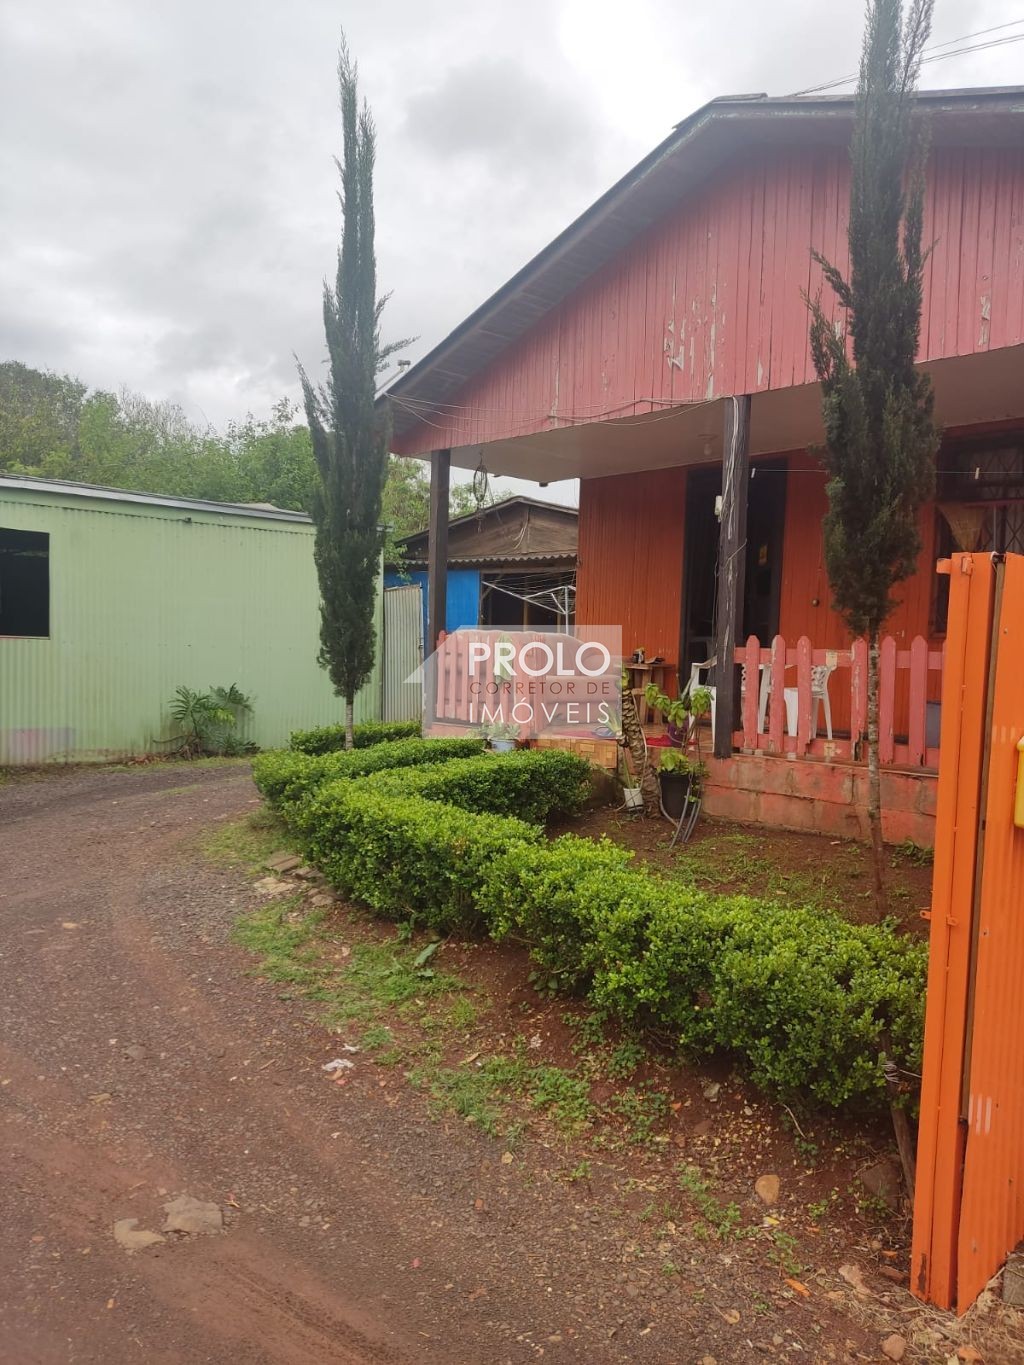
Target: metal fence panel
403 652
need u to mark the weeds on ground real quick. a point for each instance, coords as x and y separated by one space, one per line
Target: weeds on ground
721 1219
372 980
742 863
642 1109
910 852
248 842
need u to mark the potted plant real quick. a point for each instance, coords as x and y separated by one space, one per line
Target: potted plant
503 737
681 776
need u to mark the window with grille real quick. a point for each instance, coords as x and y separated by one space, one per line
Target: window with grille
980 497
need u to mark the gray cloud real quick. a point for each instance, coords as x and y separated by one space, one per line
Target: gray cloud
168 202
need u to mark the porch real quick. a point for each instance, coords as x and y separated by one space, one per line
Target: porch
700 536
796 759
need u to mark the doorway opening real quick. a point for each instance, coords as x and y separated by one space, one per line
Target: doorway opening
766 516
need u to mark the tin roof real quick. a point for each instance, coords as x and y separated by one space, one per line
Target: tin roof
695 147
100 493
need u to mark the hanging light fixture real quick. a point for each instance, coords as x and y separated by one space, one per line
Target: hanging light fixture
481 484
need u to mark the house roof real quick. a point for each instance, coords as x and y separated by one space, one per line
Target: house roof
518 530
987 116
100 493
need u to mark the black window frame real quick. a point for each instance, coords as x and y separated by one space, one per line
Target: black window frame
25 568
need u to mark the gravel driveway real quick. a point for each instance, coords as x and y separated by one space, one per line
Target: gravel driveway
141 1060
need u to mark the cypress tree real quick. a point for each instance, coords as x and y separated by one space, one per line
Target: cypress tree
350 432
877 409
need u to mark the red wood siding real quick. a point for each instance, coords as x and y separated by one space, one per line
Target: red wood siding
708 302
630 569
805 581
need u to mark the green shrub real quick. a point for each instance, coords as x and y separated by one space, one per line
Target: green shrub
284 777
532 785
805 997
325 739
407 857
802 996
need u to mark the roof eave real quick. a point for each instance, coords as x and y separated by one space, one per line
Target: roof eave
435 377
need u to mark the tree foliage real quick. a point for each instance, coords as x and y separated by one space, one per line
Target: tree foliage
880 436
52 426
877 408
349 431
40 413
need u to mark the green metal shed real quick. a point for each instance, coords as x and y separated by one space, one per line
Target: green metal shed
109 600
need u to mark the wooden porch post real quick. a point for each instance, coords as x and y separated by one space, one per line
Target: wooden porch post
437 547
732 559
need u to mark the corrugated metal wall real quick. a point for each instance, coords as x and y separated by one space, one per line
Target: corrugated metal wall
403 651
146 598
708 302
462 599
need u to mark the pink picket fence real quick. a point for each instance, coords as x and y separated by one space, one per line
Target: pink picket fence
796 679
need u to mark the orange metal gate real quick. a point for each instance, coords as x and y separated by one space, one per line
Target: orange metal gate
969 1206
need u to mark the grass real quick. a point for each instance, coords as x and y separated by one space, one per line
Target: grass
743 863
286 942
295 948
410 1011
248 842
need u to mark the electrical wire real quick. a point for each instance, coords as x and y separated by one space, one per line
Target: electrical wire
932 54
527 423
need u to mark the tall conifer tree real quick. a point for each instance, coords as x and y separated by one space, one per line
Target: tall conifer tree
350 431
880 436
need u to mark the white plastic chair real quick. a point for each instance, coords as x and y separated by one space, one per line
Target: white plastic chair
820 674
820 701
705 666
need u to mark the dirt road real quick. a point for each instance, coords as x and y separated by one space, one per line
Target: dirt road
141 1060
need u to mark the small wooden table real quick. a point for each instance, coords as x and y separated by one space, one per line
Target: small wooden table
640 676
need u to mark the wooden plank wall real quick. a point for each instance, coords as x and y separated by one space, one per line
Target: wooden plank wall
708 301
630 569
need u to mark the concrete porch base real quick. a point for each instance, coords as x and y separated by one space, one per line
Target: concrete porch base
820 798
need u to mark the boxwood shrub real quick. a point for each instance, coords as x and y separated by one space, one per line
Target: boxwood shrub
324 739
407 857
800 996
532 785
284 777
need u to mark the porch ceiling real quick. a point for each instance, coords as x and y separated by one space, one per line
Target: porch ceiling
986 387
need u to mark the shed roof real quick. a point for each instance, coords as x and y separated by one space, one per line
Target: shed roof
95 492
517 530
988 116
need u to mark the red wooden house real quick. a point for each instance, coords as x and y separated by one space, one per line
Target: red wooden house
658 351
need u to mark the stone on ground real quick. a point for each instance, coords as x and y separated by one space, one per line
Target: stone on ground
195 1216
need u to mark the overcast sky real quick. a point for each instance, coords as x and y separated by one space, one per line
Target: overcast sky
167 195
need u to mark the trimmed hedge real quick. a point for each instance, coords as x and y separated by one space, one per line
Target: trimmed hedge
405 856
325 739
533 785
284 777
802 996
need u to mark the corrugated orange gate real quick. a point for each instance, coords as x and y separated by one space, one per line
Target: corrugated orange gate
969 1207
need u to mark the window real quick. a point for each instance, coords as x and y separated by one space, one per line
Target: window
24 582
980 495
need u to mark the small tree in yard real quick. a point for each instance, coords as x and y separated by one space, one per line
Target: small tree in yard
350 432
880 437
